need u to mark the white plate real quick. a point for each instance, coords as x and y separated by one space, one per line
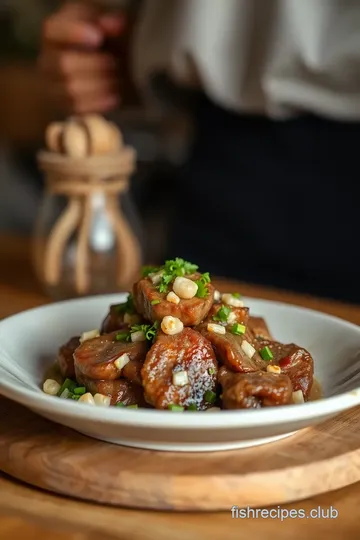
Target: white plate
29 342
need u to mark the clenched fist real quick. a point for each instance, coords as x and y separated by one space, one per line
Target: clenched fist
82 75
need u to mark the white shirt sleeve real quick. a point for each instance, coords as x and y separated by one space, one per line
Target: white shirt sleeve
279 57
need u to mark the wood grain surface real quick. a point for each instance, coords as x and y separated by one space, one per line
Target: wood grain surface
29 513
58 459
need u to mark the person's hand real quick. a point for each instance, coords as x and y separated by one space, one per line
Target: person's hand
81 75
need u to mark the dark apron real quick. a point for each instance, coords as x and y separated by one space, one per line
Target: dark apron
272 202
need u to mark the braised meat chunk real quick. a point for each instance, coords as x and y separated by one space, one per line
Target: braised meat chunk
237 352
260 329
180 370
132 370
294 361
119 390
120 317
65 357
177 343
254 390
154 305
228 315
105 356
114 320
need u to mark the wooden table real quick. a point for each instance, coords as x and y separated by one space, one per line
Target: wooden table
27 513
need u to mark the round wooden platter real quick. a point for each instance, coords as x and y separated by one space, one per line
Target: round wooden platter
58 459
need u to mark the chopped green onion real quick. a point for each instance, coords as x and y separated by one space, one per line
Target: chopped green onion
120 404
172 269
202 290
75 397
155 302
122 336
165 280
163 288
148 329
236 294
205 277
179 267
132 407
210 396
238 329
202 285
80 390
192 407
67 384
266 353
178 408
146 270
66 394
211 371
223 314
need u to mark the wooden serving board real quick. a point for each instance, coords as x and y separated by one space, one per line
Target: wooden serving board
58 459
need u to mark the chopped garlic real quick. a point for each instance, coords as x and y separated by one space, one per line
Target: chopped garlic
122 361
231 300
51 387
180 378
102 401
173 298
273 369
87 398
138 336
89 335
156 277
216 328
298 397
217 296
185 288
231 318
248 349
171 325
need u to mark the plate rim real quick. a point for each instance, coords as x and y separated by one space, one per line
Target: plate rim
163 419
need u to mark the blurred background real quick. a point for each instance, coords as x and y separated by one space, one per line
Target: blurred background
289 101
25 111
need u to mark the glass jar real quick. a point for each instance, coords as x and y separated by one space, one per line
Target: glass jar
86 238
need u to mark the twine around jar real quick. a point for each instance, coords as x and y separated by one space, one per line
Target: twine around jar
78 180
